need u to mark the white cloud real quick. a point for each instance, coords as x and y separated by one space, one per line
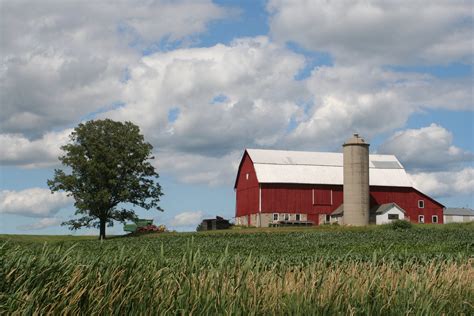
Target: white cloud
225 97
251 79
260 104
34 202
426 148
42 223
382 32
194 168
229 97
20 151
187 219
62 60
446 183
369 100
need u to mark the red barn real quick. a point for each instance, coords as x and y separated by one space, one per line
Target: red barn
275 186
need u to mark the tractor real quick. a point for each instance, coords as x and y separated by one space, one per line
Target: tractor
141 225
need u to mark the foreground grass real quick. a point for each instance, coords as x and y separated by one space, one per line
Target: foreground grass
354 271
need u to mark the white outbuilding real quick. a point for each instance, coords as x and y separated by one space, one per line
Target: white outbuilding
386 213
458 215
380 214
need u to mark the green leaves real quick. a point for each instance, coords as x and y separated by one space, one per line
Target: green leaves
110 166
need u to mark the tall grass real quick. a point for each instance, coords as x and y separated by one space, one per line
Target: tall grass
65 279
376 271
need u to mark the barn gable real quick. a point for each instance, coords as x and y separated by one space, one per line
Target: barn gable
247 188
246 165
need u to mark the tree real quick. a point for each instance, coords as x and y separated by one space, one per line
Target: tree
108 168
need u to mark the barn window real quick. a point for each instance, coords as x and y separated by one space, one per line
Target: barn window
246 176
287 217
328 218
275 217
393 216
421 204
421 219
298 217
434 219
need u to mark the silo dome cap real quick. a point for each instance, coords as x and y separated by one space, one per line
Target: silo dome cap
355 140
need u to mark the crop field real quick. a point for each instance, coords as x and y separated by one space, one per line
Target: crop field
424 270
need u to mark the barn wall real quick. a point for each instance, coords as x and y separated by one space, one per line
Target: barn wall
281 217
265 220
457 219
247 190
298 199
254 220
242 220
294 198
407 199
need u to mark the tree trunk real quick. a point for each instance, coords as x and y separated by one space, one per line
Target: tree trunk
102 229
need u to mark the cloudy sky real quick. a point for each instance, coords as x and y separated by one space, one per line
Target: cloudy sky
206 79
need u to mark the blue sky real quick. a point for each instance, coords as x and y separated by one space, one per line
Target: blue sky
204 80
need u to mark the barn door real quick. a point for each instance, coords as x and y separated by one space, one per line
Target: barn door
313 218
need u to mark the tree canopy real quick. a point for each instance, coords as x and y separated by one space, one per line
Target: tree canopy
108 171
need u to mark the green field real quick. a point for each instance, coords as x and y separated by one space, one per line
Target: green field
326 270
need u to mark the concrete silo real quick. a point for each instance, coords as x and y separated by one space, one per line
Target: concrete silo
356 181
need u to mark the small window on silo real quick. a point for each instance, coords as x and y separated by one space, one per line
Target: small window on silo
421 204
246 176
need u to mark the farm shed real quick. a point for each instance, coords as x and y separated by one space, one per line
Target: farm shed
386 213
458 215
213 224
379 214
308 186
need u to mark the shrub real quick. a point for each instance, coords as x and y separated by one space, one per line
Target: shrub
400 224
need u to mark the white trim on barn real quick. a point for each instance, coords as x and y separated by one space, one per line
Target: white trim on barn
259 224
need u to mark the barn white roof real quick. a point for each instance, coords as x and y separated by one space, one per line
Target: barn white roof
281 166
